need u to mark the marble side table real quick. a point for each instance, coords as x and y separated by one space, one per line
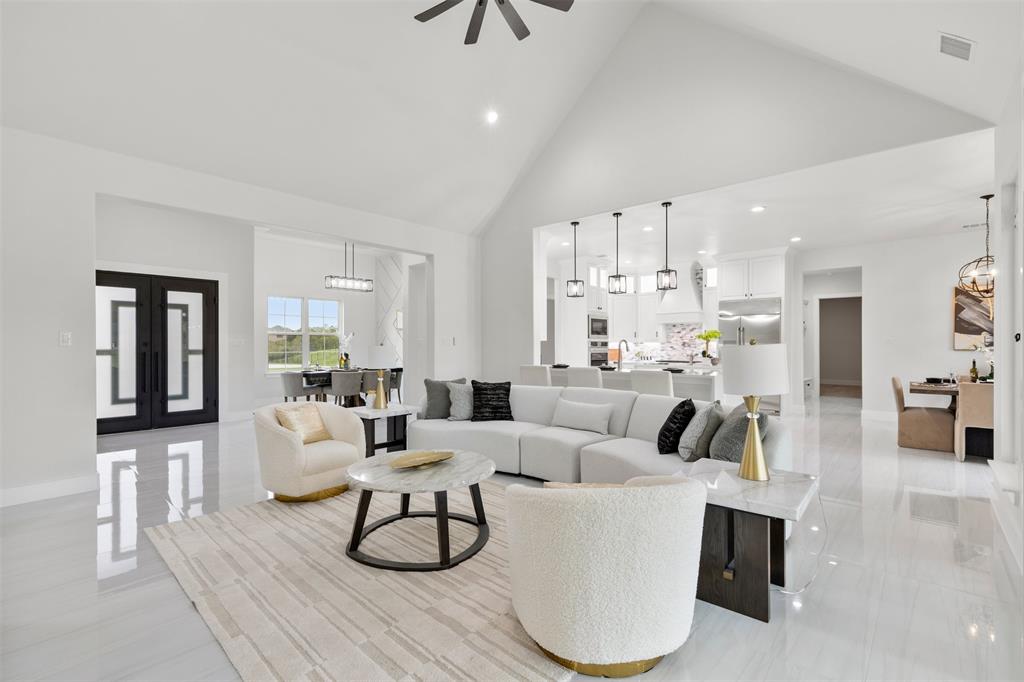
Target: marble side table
397 417
375 474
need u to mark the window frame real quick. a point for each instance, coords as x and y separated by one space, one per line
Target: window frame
305 332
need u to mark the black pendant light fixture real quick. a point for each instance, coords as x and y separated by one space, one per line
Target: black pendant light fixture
345 282
574 287
979 275
617 282
666 278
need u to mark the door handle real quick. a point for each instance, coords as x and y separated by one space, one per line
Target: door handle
143 368
156 372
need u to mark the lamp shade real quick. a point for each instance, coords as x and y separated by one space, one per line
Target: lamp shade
761 369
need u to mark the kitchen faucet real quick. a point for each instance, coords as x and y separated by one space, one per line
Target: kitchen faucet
622 341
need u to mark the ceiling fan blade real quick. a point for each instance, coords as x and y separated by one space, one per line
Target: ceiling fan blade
512 18
563 5
439 8
475 22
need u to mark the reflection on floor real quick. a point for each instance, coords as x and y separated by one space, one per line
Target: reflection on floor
837 391
913 578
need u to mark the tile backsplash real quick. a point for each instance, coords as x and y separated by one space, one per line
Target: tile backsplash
680 341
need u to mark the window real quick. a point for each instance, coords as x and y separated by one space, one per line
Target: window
323 333
284 333
302 332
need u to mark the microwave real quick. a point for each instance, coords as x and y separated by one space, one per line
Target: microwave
597 326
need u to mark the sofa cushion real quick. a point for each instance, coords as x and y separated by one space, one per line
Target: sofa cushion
695 442
498 440
534 404
618 460
491 401
462 401
439 402
553 453
326 455
676 422
621 402
649 414
728 441
583 416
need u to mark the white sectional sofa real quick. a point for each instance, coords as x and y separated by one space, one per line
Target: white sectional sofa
530 446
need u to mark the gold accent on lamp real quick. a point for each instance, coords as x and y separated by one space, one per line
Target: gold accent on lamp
627 669
381 402
754 371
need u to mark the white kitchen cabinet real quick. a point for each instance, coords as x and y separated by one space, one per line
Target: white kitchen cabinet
758 277
622 318
647 327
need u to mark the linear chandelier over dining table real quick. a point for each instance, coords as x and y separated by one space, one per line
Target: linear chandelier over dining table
346 282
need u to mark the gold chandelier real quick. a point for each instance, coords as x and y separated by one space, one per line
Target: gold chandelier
979 275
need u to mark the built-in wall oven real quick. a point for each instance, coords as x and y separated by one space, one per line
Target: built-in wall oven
597 327
598 352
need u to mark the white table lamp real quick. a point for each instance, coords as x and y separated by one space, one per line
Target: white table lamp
754 371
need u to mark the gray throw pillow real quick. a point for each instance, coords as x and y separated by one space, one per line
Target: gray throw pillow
706 421
727 443
439 402
462 401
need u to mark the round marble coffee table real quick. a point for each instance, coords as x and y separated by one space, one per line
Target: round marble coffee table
374 474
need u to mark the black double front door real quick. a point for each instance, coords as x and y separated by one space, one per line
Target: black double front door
156 351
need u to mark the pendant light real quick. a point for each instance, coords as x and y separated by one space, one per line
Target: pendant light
574 287
666 278
617 282
979 275
345 282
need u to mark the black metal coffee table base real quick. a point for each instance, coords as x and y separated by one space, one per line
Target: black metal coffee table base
445 559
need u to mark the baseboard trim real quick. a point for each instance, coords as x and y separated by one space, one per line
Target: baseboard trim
879 416
10 497
239 416
840 382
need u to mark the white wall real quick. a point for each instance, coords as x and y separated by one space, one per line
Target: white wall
840 346
816 286
907 290
683 106
285 267
134 237
49 190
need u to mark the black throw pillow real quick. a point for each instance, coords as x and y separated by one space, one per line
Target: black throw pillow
490 401
672 429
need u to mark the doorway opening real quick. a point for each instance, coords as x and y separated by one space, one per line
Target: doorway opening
833 362
156 351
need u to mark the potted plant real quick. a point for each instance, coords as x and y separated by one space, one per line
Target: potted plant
707 336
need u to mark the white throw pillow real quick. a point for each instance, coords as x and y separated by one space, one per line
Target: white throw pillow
582 416
462 402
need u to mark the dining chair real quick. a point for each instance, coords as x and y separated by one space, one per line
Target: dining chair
295 386
345 384
534 375
396 382
370 382
651 381
974 409
588 377
922 428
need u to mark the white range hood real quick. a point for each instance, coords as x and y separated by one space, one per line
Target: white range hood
684 304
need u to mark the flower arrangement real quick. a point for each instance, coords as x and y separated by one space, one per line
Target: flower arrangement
989 353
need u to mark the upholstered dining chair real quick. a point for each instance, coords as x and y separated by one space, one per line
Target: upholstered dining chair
587 377
298 472
922 428
652 381
370 382
604 579
974 409
295 387
396 382
534 375
344 384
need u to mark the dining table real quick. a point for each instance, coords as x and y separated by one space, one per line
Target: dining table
945 388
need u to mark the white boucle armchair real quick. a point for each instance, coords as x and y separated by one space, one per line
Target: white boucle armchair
604 579
301 473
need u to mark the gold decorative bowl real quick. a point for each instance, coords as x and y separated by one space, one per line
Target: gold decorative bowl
420 458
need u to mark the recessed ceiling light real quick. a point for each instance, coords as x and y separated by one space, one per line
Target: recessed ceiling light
492 116
757 209
648 228
794 239
702 252
566 243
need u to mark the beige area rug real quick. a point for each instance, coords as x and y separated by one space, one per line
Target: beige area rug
274 585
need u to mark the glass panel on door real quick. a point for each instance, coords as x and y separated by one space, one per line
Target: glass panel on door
185 390
116 352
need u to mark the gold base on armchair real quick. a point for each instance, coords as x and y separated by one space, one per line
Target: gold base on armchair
604 669
313 497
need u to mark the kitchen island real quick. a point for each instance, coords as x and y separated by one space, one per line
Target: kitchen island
700 382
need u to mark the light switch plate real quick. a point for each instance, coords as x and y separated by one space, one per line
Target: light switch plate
63 338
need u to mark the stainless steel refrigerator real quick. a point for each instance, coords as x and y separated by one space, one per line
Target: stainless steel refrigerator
757 319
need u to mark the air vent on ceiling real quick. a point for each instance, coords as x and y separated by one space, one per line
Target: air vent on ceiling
955 46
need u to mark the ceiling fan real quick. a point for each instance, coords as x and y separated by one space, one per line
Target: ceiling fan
512 18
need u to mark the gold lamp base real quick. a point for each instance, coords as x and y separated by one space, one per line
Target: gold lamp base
753 466
627 669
